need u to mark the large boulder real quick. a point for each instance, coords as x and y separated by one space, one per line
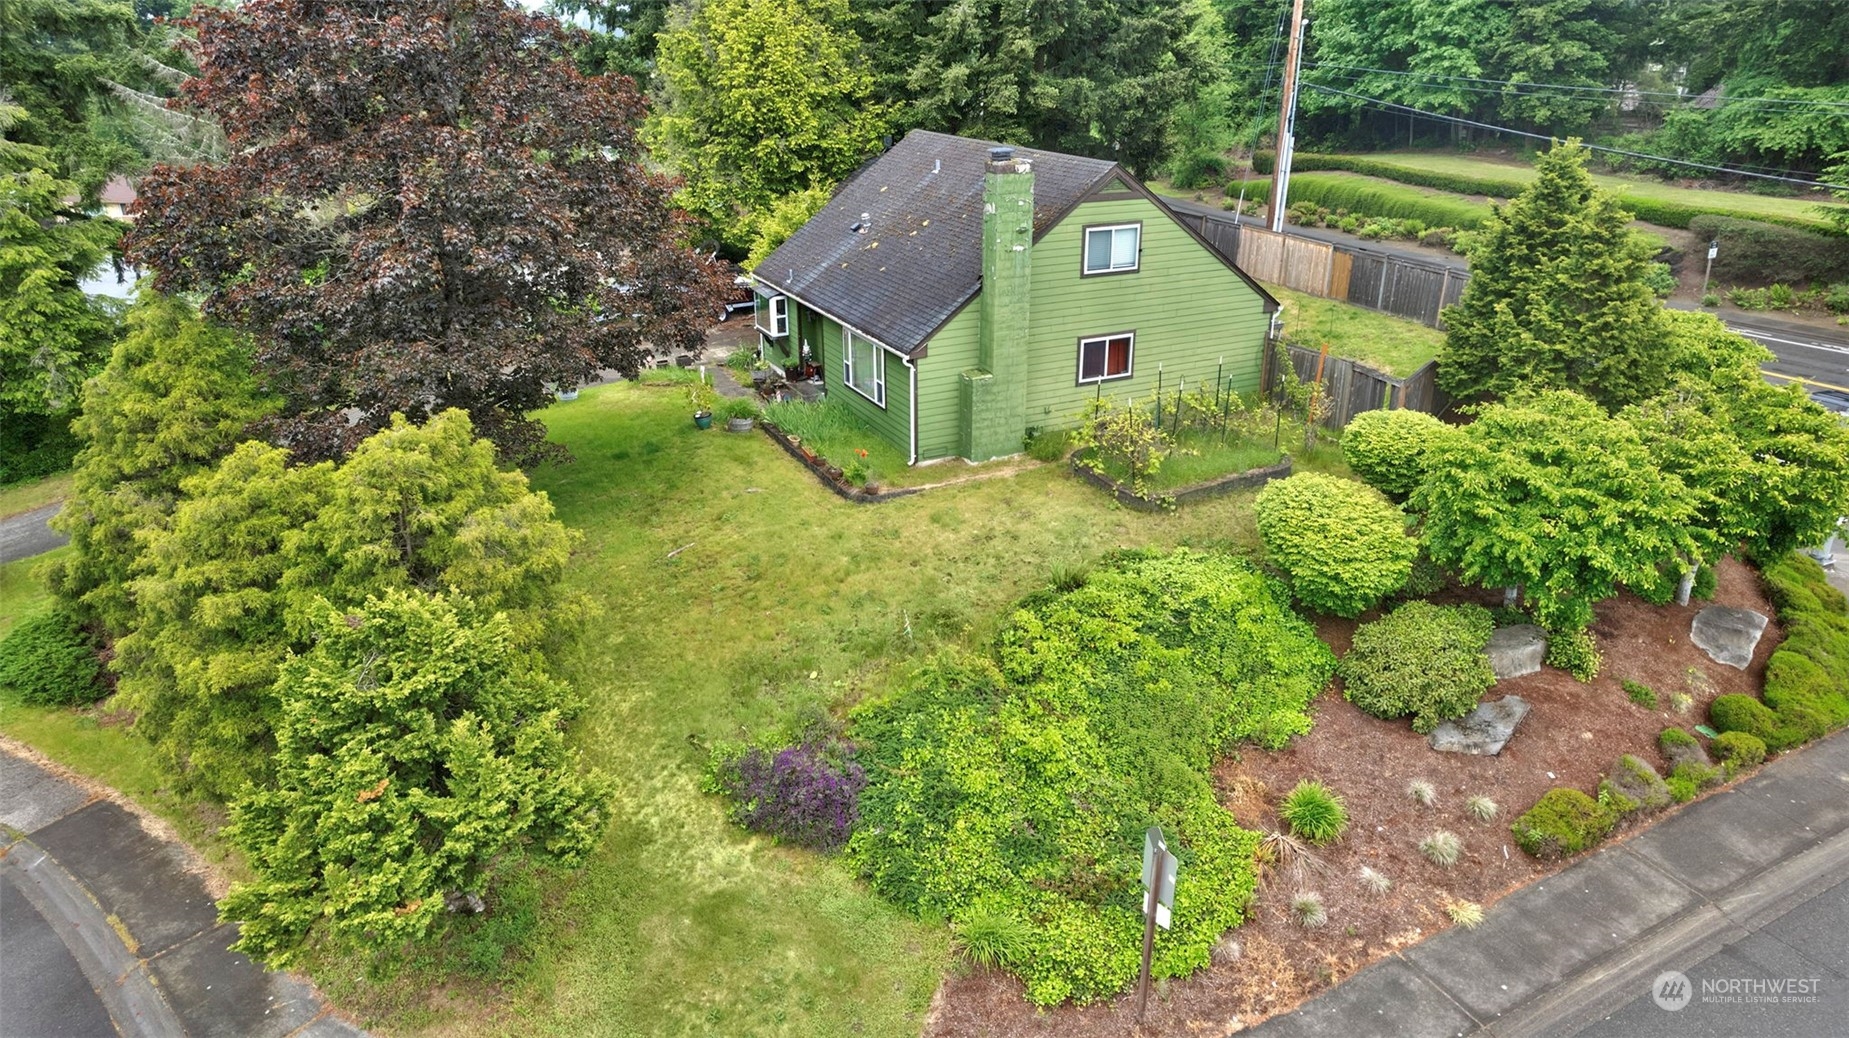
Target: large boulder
1728 635
1483 731
1518 650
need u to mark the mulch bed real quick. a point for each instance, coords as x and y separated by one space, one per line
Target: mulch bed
1571 736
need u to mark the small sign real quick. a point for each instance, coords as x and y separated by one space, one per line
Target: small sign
1714 248
1159 870
1163 916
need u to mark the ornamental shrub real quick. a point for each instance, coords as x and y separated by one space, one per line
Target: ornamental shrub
49 660
1575 652
1314 812
1389 448
1738 713
1420 659
1343 545
1022 782
1807 678
1738 751
807 794
1564 821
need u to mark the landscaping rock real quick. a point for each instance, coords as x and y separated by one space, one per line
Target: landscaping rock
1483 731
1728 635
1518 650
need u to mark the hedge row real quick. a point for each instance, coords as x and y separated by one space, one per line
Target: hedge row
1386 200
1807 678
1650 210
1761 253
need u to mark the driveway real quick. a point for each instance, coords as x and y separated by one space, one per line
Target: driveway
111 929
26 534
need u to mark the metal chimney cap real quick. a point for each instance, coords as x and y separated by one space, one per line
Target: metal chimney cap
1001 154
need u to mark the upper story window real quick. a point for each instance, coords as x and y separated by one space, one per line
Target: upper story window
1113 249
863 369
774 315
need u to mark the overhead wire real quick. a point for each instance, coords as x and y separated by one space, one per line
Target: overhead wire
1586 88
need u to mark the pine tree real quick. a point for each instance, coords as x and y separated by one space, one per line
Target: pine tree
1557 297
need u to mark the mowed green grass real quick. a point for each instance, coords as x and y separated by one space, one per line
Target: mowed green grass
780 599
1391 344
24 497
1740 202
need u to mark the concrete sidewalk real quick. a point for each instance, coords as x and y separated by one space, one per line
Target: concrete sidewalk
1561 954
111 930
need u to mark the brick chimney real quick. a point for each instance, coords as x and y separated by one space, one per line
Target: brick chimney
995 393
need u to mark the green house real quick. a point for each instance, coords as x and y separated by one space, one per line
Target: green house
959 293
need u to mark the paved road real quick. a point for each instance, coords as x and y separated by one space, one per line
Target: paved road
109 930
25 535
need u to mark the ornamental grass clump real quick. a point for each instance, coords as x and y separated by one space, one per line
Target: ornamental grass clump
1422 792
807 794
1375 881
1442 848
1314 812
1481 808
1466 914
1306 909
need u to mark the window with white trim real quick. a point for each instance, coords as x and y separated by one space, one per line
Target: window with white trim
862 367
1106 357
1112 250
774 315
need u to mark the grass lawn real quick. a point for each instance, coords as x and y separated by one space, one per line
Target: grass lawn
1733 202
1392 344
24 497
785 599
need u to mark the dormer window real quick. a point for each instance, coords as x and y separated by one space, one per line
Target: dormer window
1112 249
773 314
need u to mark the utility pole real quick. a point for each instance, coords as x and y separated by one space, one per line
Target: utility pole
1287 120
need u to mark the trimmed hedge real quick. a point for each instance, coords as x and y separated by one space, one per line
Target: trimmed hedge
1342 544
1563 822
1386 200
1389 448
1764 253
1738 751
1807 678
50 660
1420 659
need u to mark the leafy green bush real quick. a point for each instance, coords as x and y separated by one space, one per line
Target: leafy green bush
1420 659
1199 169
1049 444
1386 201
1738 713
1638 692
1673 740
1022 783
1563 822
1343 545
1389 448
49 660
1738 751
1575 652
1757 251
1314 812
1807 678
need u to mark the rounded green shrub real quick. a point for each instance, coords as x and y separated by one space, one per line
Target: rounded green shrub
1577 653
1343 545
1314 812
1420 659
1738 751
1389 448
50 660
1564 821
1738 713
1673 739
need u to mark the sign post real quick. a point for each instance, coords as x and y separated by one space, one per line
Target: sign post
1713 247
1158 903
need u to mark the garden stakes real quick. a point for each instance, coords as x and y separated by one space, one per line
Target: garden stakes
1180 384
1158 397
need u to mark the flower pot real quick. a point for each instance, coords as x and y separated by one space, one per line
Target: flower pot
568 395
739 424
703 419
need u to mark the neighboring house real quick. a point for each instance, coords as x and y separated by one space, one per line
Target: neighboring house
958 293
118 195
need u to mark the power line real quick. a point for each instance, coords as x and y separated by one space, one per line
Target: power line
1743 105
1591 147
1585 87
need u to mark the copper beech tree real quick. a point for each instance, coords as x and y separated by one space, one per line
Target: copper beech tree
424 205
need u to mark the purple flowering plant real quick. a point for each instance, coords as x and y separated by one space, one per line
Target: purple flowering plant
806 794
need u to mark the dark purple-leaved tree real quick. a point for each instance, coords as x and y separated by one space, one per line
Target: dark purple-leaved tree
425 205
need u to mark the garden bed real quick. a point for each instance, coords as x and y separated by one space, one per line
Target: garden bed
1182 495
831 475
1575 731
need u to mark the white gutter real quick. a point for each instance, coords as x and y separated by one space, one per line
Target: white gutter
911 423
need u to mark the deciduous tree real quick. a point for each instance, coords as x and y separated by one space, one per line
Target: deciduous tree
1557 296
425 205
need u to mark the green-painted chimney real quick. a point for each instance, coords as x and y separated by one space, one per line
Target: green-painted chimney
995 394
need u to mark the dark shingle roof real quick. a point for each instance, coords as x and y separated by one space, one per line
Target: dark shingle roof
921 258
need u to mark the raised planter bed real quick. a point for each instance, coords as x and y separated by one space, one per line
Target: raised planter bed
1183 495
824 472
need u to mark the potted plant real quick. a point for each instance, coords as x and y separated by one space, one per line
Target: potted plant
760 373
740 413
703 399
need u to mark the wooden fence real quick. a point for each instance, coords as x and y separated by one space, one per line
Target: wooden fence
1353 387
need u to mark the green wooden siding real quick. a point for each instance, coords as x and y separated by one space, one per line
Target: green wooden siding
893 422
940 419
1187 309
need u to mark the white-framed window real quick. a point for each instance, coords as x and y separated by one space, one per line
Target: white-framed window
1106 357
774 315
862 367
1112 249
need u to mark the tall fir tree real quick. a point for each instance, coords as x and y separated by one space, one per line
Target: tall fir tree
1557 296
